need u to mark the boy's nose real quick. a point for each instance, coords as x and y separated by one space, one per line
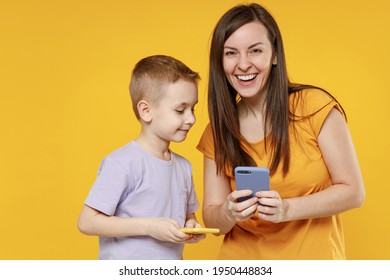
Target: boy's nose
191 118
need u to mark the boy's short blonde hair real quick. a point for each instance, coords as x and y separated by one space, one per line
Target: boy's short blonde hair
152 74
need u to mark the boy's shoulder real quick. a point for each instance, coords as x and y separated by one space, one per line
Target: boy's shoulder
185 164
131 154
132 151
179 157
125 153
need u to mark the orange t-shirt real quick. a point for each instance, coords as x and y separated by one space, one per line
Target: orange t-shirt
320 238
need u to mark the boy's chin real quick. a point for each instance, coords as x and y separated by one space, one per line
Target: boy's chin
179 139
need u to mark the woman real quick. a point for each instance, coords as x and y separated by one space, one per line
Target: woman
259 118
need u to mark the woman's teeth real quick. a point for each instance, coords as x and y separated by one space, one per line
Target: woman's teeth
246 78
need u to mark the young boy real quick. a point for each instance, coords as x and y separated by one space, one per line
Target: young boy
144 192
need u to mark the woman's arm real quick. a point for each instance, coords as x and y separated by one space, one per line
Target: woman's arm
220 207
347 191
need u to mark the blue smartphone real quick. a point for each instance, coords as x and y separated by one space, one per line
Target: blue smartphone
251 178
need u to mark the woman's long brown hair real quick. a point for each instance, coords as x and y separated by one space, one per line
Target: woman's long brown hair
222 97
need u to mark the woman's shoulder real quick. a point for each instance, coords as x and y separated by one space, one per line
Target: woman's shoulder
207 134
206 142
309 100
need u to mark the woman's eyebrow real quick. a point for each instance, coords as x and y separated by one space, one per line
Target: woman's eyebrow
251 46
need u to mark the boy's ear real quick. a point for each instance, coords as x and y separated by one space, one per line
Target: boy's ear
144 111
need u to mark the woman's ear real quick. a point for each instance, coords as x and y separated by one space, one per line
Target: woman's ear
275 61
144 111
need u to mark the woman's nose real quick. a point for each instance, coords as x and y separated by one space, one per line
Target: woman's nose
244 63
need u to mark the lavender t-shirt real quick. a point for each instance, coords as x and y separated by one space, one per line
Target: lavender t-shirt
133 183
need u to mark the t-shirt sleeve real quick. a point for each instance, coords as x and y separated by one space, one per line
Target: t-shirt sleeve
192 199
317 105
109 187
193 203
206 143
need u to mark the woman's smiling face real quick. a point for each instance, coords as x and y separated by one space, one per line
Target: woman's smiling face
248 59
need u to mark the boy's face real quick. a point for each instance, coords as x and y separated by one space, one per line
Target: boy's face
173 115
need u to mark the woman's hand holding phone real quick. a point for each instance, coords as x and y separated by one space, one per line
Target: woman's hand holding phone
241 211
272 207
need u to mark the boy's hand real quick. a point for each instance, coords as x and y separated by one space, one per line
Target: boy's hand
194 238
166 229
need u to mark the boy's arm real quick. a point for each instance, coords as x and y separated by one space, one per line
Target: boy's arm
93 222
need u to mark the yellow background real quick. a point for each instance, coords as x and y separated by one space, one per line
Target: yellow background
64 104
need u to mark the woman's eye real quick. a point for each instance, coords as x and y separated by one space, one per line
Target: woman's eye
256 51
230 53
179 111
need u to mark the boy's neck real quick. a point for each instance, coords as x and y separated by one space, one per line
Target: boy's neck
157 148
